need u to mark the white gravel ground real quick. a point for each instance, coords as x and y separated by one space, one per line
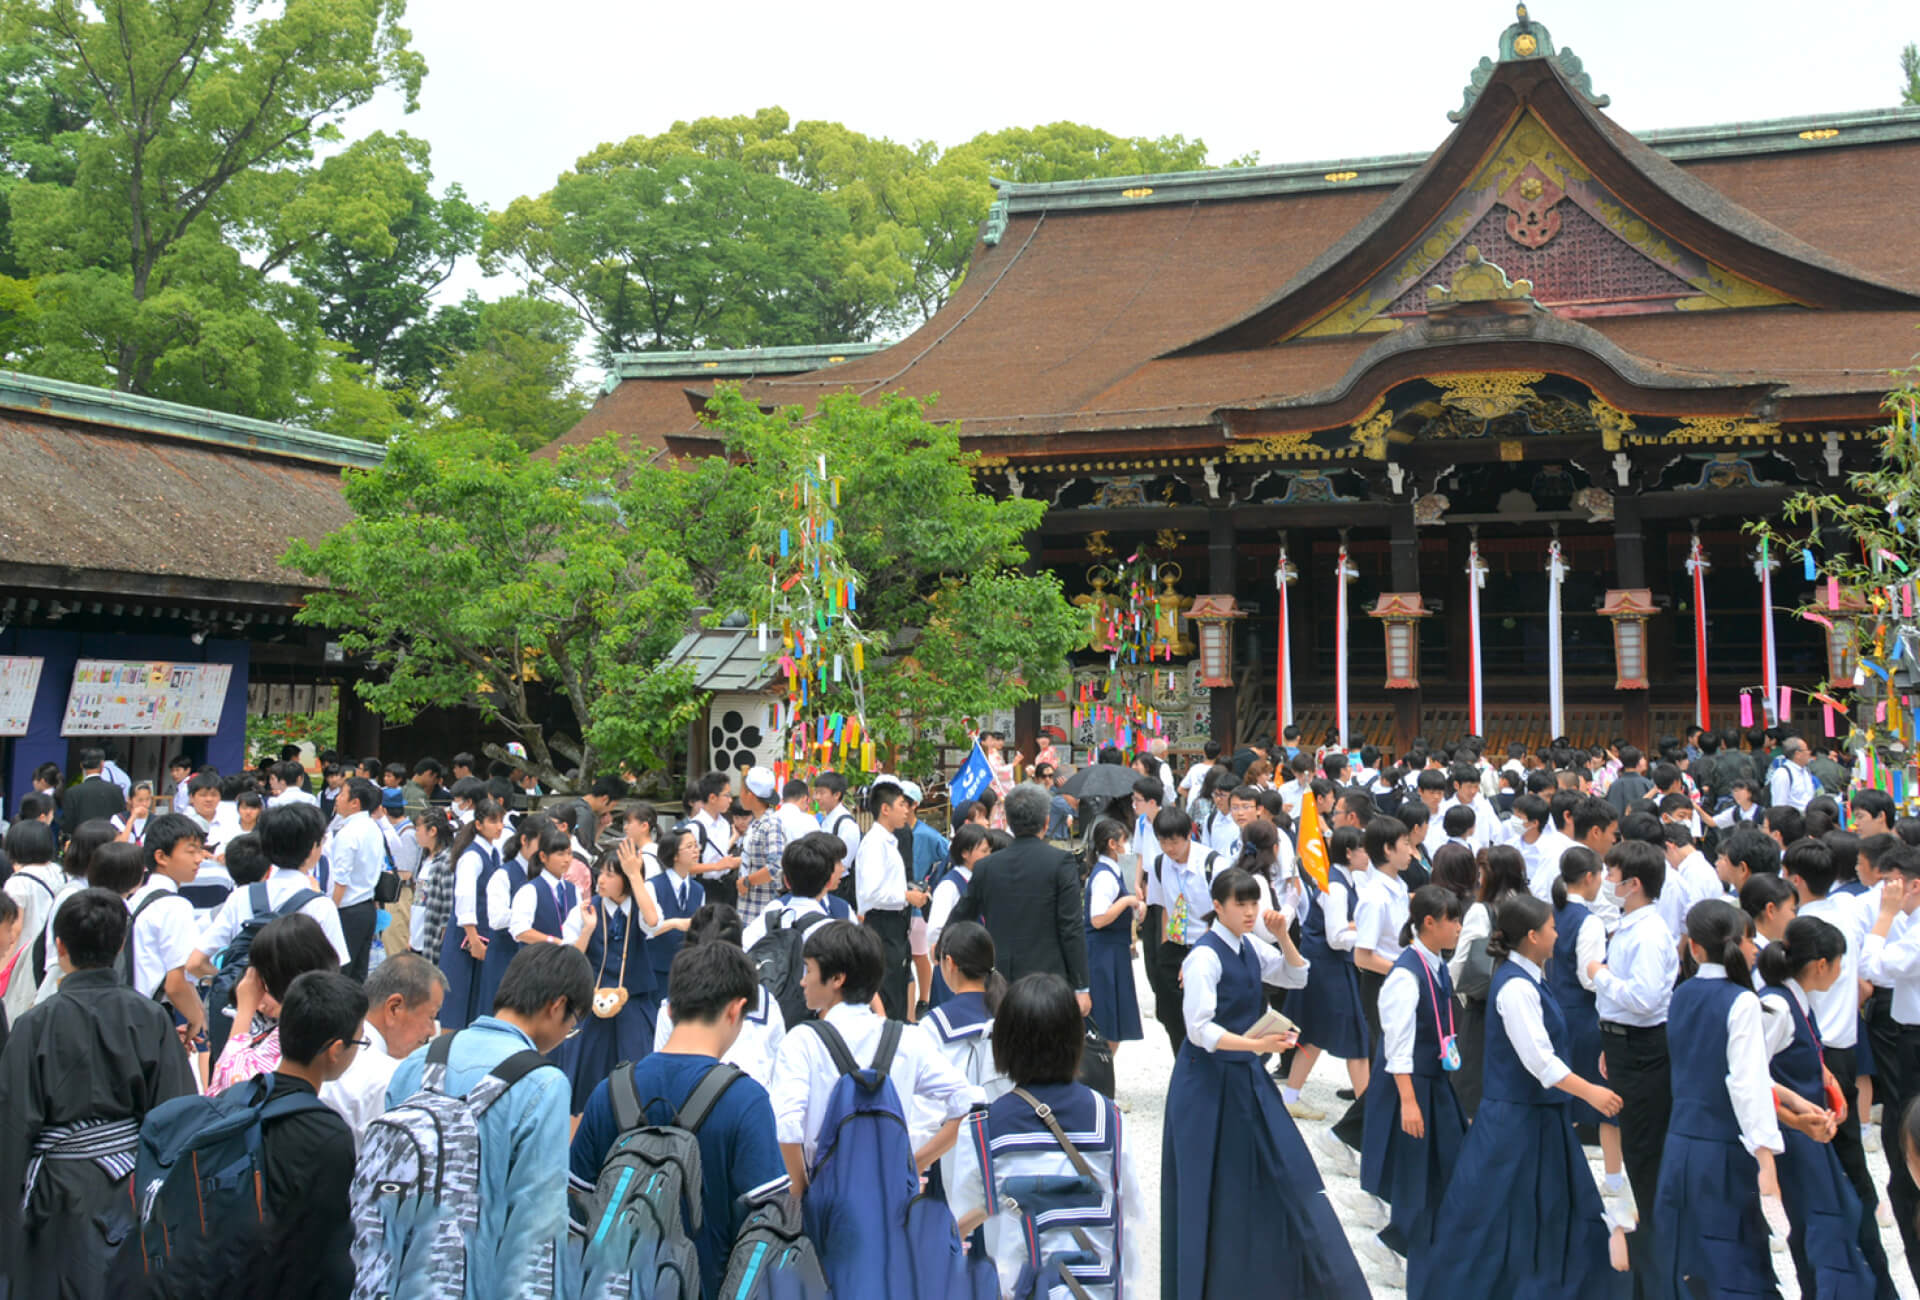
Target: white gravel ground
1143 1070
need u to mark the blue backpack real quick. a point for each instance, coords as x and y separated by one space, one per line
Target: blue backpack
197 1173
876 1234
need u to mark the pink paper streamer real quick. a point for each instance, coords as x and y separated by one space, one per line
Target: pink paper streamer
1746 709
1827 709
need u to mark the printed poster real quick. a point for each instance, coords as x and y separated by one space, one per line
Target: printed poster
120 698
19 679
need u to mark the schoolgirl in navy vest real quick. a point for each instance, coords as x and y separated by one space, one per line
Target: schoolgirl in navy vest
961 1030
517 865
1522 1214
463 950
1041 1207
678 896
1110 908
1329 1014
1822 1207
621 1024
1723 1132
1582 941
1242 1211
1414 1126
547 909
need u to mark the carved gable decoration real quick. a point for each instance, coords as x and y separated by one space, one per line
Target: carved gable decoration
1537 212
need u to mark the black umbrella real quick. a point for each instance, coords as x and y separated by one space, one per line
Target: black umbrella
1101 781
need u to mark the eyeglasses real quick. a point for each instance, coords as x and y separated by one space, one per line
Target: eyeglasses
356 1042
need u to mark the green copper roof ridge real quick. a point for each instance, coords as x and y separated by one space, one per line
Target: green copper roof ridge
1854 127
708 363
34 395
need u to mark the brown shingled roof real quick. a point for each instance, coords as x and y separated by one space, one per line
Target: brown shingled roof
1073 322
80 497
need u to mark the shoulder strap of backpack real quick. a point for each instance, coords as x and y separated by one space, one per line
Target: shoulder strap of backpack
889 1042
439 1050
297 900
706 1095
36 880
624 1098
836 1046
257 902
810 920
519 1066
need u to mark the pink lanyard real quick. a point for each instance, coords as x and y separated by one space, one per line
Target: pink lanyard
1819 1049
1434 987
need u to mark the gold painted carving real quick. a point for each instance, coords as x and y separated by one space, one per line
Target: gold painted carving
1723 428
1488 395
1359 313
1721 289
1529 142
990 462
1273 446
1370 435
1478 281
1612 422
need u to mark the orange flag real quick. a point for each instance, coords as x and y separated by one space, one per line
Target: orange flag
1312 845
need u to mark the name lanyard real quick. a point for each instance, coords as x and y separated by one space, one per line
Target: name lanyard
1449 1042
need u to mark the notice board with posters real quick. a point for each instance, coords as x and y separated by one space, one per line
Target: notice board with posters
19 679
113 697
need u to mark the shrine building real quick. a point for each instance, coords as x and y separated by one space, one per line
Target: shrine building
1546 332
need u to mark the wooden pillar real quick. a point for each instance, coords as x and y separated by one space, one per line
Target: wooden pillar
1222 579
359 726
1630 570
1403 553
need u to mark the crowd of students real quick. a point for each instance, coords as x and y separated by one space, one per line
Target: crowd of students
459 1023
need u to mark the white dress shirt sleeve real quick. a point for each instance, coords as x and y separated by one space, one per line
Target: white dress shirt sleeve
1590 945
938 1082
466 889
879 879
1478 924
520 914
1749 1084
1519 1004
1337 906
1399 1002
1887 960
945 895
575 922
793 1067
1101 894
1275 969
1199 992
1776 1024
1370 918
500 902
1646 986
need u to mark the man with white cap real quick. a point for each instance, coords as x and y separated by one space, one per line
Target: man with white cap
760 848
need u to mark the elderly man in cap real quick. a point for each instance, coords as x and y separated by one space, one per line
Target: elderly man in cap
761 847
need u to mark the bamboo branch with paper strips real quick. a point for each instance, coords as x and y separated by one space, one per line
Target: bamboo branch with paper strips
1860 553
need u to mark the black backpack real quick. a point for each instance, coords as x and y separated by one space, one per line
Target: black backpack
778 955
123 964
232 964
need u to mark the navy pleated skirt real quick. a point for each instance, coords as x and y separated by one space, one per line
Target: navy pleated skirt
1243 1213
1330 1015
1710 1225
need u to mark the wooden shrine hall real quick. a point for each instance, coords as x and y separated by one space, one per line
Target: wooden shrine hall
1548 331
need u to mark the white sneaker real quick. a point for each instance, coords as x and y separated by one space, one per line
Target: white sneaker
1381 1265
1361 1209
1300 1110
1336 1157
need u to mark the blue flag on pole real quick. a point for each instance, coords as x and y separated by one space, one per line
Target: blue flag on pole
972 779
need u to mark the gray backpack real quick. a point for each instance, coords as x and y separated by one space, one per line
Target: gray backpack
416 1188
645 1207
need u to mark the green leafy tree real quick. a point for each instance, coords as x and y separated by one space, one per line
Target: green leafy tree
477 575
378 300
639 237
1910 73
939 586
516 377
195 181
683 253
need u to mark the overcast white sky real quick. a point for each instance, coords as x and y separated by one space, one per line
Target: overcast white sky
516 91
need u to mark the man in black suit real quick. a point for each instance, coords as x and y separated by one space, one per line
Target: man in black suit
1028 897
94 796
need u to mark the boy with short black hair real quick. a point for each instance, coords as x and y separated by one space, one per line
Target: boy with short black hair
710 990
81 1071
165 930
844 966
307 1158
884 894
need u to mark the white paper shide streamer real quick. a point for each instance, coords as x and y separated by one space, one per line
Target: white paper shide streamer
1556 676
